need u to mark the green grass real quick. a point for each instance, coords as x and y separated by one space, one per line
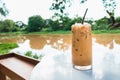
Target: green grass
51 32
69 32
6 47
42 32
61 32
106 31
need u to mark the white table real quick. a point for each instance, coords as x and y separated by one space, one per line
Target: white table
106 66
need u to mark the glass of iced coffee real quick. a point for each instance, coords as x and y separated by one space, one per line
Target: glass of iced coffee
81 46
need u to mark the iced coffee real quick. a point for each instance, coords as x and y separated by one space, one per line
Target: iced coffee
81 46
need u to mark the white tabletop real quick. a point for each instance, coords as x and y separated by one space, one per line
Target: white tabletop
105 66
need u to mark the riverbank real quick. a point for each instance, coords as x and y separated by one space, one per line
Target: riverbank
62 32
106 31
69 32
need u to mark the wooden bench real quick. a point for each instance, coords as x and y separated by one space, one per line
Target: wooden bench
16 66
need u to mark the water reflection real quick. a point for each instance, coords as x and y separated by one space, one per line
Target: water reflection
43 44
106 61
58 42
106 39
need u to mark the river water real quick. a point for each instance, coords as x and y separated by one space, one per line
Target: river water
50 44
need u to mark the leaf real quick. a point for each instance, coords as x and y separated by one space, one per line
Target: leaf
109 4
83 1
2 12
61 10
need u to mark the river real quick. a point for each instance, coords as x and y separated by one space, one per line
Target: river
50 44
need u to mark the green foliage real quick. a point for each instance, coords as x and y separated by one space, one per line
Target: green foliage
115 31
28 53
63 24
77 20
59 32
67 22
6 47
60 5
82 1
7 25
110 5
35 56
101 24
53 25
35 23
56 25
19 26
118 19
48 25
3 10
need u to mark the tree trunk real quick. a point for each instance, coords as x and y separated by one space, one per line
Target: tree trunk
114 24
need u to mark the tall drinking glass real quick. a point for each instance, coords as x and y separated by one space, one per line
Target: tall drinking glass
81 46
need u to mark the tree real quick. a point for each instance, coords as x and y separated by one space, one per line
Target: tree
67 22
3 9
35 23
54 25
101 24
59 6
7 25
109 5
19 24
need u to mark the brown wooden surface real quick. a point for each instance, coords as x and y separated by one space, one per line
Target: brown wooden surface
17 67
2 76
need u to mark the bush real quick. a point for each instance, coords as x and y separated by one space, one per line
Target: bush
35 56
6 47
28 53
101 24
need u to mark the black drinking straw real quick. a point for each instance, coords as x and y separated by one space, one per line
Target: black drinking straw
84 15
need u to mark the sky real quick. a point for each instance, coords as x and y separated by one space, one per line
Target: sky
21 10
